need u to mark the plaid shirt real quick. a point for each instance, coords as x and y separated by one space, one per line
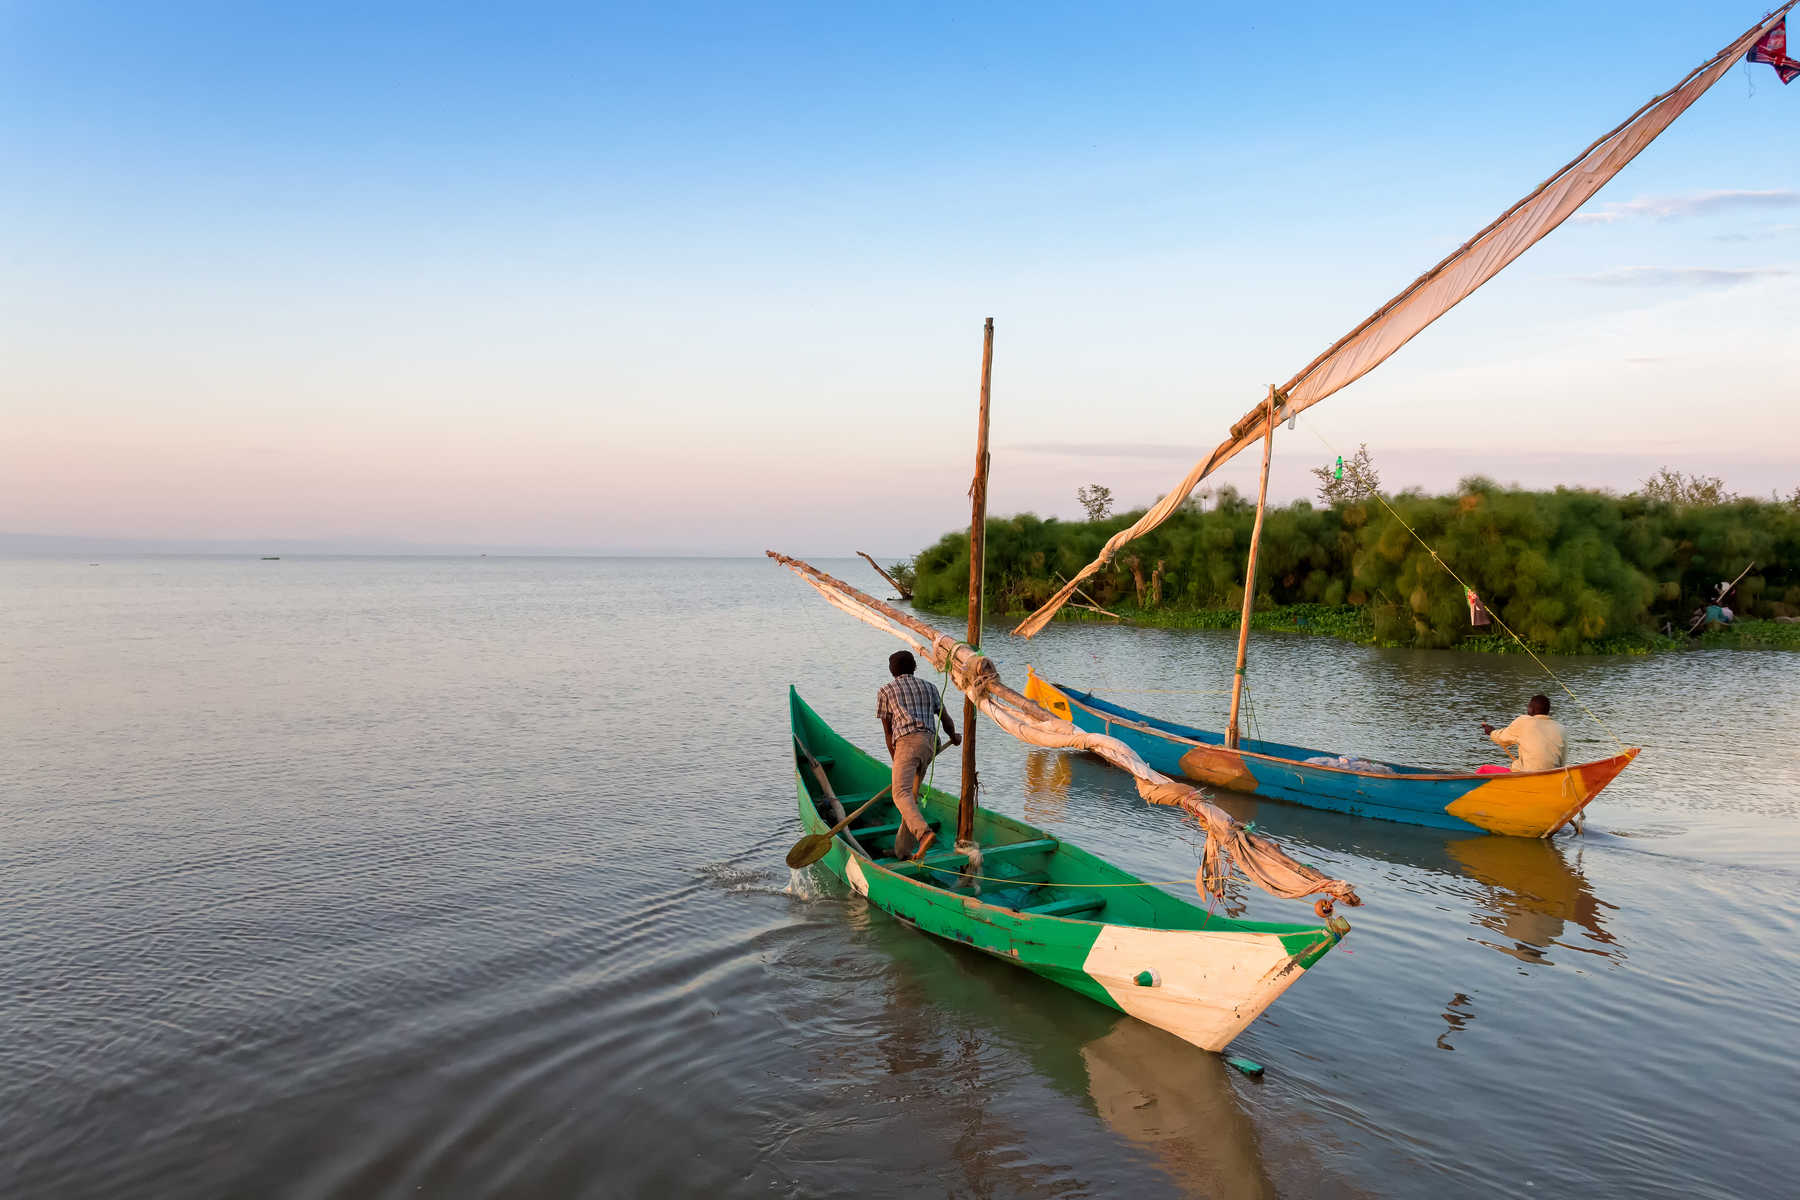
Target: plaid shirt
911 702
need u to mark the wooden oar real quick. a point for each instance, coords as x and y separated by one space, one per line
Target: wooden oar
814 846
818 770
819 773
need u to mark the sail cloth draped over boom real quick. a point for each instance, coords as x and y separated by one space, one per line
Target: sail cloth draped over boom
1227 842
1437 291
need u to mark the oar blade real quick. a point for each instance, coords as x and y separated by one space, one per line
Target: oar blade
809 850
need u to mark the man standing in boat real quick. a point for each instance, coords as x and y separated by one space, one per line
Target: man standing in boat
910 708
1539 740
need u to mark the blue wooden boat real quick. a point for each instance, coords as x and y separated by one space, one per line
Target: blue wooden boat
1518 803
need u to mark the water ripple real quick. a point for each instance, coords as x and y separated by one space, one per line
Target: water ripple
372 877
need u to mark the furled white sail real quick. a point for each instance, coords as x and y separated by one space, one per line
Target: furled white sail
1440 289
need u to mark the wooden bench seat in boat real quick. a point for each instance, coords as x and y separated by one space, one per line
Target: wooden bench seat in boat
888 830
989 854
1071 907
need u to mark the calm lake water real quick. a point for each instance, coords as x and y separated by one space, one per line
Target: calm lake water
370 877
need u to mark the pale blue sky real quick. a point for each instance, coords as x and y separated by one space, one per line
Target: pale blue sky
705 278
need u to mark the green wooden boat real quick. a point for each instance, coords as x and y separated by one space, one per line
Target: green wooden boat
1199 975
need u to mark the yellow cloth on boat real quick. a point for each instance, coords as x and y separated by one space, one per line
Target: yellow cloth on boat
1540 741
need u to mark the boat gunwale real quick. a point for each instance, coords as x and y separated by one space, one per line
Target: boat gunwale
1275 929
1227 924
1628 754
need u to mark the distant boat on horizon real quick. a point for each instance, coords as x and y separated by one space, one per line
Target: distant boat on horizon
271 558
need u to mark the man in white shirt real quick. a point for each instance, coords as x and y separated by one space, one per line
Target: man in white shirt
1539 740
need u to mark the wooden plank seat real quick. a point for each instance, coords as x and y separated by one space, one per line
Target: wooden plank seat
1072 906
850 803
989 854
888 830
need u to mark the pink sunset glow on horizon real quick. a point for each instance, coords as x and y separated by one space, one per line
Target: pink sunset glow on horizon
704 321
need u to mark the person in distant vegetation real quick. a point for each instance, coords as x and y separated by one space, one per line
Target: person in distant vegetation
1539 740
1717 610
910 709
1715 614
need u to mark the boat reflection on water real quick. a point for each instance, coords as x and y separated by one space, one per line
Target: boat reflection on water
1176 1101
1524 892
1458 1013
1047 779
1533 891
948 1009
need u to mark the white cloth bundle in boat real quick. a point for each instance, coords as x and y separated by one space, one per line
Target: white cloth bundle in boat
1349 762
1228 843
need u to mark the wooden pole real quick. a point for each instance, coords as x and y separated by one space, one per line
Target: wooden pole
965 811
1262 503
904 593
1721 596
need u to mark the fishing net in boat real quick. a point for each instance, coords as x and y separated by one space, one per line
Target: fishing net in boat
1436 292
1228 844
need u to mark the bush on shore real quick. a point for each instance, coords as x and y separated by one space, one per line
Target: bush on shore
1567 569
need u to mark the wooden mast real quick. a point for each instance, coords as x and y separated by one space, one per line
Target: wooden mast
1262 502
965 811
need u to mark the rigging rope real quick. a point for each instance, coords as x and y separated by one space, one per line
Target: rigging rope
1498 620
943 690
1251 722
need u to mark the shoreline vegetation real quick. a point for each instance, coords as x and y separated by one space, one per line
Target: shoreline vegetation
1351 624
1571 571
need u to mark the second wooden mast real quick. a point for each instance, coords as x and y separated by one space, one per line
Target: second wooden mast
965 809
1243 647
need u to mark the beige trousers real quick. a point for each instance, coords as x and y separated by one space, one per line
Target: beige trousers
912 754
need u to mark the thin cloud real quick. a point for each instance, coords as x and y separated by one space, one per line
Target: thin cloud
1757 235
1692 204
1680 276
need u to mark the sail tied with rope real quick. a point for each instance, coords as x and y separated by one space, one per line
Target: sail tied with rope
1229 844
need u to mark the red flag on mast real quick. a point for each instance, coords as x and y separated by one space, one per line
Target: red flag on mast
1773 50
